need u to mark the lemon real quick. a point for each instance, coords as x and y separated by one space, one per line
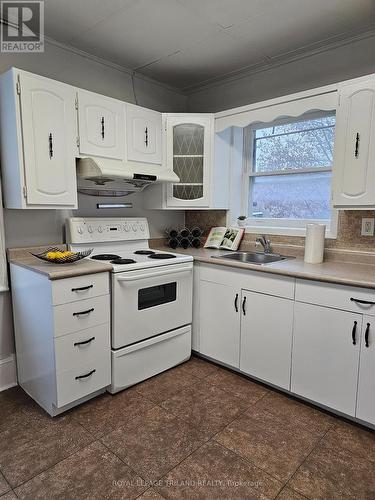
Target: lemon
51 255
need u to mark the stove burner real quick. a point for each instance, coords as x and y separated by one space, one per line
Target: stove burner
123 261
162 256
144 252
105 256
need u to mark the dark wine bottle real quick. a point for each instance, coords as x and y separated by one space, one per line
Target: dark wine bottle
184 242
196 232
184 233
173 243
196 242
173 233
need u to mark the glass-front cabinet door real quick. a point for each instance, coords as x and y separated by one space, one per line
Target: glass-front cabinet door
189 154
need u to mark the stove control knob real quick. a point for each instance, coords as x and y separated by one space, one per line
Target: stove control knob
135 227
90 229
127 228
100 229
79 230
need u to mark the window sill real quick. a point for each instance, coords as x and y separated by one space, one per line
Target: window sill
286 231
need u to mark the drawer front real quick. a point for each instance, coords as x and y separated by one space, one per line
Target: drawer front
81 315
79 382
141 361
79 348
256 281
336 296
79 287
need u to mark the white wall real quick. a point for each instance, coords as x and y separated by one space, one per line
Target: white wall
33 227
342 63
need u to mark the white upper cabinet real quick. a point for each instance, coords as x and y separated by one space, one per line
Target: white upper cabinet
38 130
189 148
199 158
143 135
354 166
101 125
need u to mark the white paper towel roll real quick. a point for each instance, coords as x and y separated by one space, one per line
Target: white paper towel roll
314 243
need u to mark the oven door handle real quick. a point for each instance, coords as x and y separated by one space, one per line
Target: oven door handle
154 275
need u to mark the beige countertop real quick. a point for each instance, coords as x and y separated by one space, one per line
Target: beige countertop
22 257
331 271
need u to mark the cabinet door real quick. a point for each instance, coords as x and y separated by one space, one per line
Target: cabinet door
219 320
266 337
49 135
101 122
143 134
366 384
189 155
325 357
354 172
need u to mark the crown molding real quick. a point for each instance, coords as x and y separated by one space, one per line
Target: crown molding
100 60
111 64
264 65
277 61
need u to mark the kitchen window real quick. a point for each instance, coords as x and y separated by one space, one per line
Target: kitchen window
289 173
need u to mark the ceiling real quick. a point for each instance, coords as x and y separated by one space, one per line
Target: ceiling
185 43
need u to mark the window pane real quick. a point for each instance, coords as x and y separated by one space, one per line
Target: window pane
298 145
291 196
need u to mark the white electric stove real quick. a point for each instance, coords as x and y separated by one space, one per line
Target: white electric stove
151 296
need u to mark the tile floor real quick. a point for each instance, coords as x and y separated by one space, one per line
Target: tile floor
196 431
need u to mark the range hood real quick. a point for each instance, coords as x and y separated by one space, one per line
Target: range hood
107 177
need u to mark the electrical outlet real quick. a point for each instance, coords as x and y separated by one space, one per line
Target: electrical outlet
367 227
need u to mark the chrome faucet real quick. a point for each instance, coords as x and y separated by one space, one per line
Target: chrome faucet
265 242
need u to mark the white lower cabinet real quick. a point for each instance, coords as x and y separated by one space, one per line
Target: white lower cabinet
266 337
315 340
326 347
62 333
366 382
220 322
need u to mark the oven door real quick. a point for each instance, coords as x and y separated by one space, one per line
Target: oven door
150 301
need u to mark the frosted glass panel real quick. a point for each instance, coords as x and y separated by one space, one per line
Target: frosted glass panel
188 154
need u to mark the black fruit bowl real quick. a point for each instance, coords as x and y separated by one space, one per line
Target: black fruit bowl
69 259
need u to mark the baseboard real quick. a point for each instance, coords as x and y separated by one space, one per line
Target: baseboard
8 373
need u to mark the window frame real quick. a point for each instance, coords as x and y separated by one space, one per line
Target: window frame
287 227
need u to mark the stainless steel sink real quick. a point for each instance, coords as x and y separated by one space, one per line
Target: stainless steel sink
253 257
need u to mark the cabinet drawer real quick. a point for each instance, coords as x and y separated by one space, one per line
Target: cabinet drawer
81 315
256 281
94 376
77 349
336 296
79 287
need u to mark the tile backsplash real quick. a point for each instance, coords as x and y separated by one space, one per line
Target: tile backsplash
348 237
